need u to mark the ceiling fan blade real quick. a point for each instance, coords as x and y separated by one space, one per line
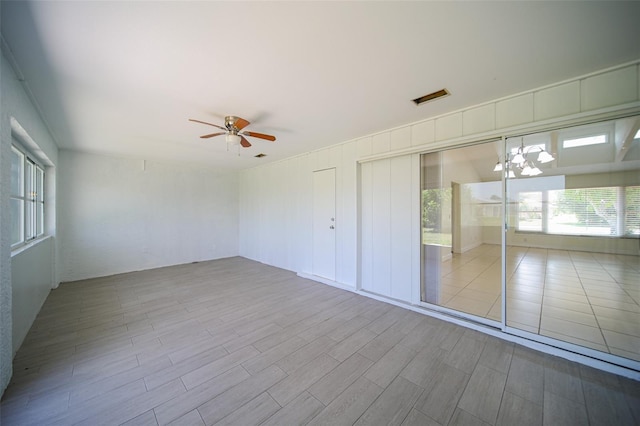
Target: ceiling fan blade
244 142
240 123
260 135
212 135
208 124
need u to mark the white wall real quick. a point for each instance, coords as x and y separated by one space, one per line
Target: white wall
119 215
275 211
16 107
374 239
457 168
30 286
5 243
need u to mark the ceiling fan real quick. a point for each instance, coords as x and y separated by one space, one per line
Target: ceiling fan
233 131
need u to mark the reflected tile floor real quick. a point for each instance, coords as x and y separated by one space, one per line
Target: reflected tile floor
233 341
589 299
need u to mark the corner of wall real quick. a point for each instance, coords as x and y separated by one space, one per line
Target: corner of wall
5 244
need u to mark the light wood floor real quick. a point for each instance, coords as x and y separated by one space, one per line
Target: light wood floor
233 341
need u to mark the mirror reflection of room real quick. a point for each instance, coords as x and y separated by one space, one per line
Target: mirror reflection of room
461 223
572 221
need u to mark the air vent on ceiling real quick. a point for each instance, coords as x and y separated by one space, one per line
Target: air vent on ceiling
260 155
431 96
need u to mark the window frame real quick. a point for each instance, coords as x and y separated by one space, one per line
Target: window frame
31 197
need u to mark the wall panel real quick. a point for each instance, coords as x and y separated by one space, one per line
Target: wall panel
557 101
514 111
449 126
401 227
387 227
613 88
381 143
423 133
347 216
479 120
401 138
381 226
364 147
366 227
321 159
305 232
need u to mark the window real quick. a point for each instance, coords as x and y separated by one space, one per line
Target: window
27 198
588 211
530 211
606 211
632 211
588 140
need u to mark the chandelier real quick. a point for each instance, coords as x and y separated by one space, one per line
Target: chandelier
523 162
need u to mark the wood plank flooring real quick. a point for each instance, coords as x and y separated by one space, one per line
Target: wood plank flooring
237 342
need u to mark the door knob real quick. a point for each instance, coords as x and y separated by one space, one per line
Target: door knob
332 227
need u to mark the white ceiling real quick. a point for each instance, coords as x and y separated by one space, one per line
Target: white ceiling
122 78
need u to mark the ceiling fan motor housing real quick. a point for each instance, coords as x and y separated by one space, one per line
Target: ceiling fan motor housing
230 123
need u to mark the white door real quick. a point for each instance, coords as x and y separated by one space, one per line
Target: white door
324 224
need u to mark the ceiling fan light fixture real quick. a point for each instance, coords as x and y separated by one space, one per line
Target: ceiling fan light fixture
232 132
498 167
233 139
